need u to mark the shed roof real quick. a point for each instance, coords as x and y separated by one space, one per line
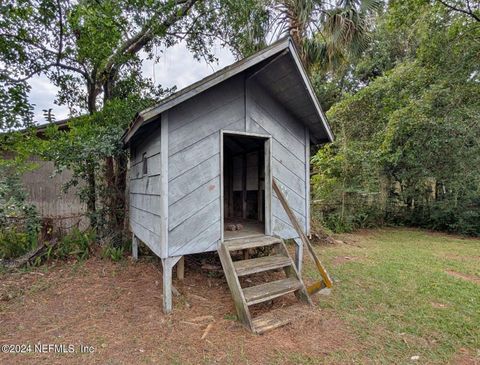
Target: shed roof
278 69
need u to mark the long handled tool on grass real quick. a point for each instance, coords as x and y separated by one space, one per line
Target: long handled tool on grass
326 280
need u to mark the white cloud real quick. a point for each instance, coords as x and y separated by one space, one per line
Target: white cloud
176 67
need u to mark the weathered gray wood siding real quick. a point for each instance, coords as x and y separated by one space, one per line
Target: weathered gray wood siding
44 188
145 206
289 141
194 197
194 165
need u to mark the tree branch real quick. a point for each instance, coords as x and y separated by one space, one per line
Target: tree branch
36 44
30 42
145 35
468 12
60 38
5 73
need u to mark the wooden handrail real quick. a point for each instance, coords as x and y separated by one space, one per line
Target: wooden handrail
306 242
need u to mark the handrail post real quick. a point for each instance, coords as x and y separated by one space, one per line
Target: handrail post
306 242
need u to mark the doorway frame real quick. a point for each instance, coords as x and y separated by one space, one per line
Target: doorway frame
268 178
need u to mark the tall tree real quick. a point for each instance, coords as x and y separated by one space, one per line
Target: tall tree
470 8
326 33
408 141
85 48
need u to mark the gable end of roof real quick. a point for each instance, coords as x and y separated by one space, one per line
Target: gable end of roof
283 45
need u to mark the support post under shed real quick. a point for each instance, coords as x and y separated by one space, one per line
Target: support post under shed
168 264
134 247
181 268
298 255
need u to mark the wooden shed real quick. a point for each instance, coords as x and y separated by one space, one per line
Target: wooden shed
205 160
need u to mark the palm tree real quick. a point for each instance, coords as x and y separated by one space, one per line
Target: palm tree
325 33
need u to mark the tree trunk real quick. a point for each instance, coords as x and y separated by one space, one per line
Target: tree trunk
92 99
91 198
110 191
90 167
114 200
121 185
296 29
115 178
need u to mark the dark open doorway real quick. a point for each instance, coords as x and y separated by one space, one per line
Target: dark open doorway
243 186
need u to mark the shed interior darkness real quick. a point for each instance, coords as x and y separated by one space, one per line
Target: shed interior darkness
244 186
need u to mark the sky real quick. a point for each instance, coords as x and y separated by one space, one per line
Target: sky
176 67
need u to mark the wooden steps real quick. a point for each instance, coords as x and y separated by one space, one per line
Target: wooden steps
244 297
268 291
254 242
267 322
252 266
277 318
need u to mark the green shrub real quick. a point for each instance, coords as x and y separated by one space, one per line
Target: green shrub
354 217
366 216
14 244
19 221
113 253
469 223
464 219
337 224
76 244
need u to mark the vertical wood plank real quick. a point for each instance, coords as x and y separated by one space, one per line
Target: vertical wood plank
292 272
268 186
134 247
164 186
167 265
246 101
222 188
181 268
167 285
307 181
260 159
244 186
299 255
230 189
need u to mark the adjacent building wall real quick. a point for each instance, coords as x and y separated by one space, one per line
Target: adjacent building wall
58 210
144 191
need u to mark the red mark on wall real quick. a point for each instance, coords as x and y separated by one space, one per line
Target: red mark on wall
211 187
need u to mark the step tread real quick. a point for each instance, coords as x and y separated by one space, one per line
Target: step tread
252 242
267 291
260 264
266 323
278 317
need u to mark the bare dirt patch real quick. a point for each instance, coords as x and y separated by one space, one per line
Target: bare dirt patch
339 260
462 258
439 305
471 278
466 357
117 309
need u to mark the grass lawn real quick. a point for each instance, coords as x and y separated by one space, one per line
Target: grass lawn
401 296
407 293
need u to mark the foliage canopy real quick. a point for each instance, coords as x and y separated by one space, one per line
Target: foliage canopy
408 143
